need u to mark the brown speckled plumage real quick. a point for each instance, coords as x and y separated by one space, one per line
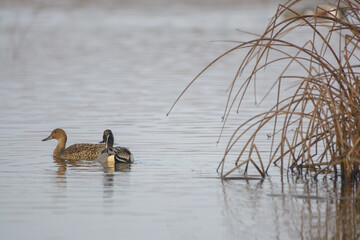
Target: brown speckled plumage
82 151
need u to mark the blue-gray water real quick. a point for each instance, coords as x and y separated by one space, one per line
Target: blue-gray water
86 67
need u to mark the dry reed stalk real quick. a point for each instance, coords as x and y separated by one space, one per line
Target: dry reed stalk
317 128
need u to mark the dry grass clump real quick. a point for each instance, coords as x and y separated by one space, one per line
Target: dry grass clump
316 129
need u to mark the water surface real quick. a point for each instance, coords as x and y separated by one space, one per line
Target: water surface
86 67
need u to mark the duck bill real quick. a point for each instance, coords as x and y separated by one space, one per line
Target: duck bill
103 141
48 138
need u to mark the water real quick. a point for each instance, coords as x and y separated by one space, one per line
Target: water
86 67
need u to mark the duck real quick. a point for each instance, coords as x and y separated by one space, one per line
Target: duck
113 155
82 151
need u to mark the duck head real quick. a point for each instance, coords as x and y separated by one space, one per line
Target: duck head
108 138
57 134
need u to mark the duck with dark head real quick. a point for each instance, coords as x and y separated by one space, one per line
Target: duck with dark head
114 154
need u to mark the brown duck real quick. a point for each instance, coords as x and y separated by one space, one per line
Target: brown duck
83 151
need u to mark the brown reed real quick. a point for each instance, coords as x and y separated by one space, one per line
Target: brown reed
317 129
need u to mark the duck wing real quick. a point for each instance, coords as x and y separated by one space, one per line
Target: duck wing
116 154
123 155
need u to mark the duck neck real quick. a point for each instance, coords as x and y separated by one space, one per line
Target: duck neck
109 141
60 146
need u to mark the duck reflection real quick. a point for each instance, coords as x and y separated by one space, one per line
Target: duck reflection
296 208
117 167
109 170
63 165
